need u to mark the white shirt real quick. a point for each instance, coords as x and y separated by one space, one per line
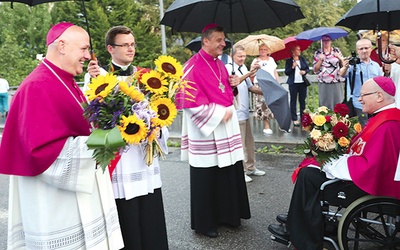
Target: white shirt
243 110
4 87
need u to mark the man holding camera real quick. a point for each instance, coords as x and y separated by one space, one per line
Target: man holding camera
358 70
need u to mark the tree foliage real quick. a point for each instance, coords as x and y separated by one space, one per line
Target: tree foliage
23 30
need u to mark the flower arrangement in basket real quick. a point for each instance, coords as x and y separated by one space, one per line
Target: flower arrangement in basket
330 133
133 110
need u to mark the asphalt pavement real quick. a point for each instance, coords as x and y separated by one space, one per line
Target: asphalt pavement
268 196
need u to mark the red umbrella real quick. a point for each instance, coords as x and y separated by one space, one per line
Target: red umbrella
289 43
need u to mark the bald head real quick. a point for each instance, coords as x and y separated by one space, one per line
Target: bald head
70 50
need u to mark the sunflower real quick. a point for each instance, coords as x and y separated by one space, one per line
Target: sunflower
166 111
133 130
131 91
101 86
170 66
154 82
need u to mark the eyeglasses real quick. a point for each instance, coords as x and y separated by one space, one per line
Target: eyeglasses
125 45
366 94
326 40
364 48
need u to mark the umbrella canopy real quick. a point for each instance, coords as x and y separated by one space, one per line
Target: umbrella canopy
317 33
289 43
195 44
236 16
394 35
372 14
252 43
276 97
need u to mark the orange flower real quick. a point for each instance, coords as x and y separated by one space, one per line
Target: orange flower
343 142
357 127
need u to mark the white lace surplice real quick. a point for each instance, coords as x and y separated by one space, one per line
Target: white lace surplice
69 206
132 177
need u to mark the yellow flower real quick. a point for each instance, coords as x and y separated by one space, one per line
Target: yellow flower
357 127
343 142
322 109
319 120
154 82
101 86
131 91
170 66
315 134
133 129
166 111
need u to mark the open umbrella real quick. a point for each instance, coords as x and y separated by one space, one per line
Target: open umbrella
317 33
290 42
252 43
276 98
394 35
236 16
373 15
195 44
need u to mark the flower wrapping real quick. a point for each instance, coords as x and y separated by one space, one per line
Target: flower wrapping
131 111
330 133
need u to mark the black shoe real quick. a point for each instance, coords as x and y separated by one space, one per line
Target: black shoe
212 233
279 230
282 218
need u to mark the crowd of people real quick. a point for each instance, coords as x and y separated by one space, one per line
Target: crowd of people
53 174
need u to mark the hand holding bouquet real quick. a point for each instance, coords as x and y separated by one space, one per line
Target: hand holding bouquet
330 133
133 110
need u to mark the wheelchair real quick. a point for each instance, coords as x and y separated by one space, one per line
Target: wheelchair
354 219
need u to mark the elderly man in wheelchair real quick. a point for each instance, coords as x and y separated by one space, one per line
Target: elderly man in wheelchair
354 203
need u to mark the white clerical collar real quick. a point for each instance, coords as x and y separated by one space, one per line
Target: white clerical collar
122 67
390 106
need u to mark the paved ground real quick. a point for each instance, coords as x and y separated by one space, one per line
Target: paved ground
268 195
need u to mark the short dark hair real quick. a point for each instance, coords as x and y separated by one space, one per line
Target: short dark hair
207 33
114 31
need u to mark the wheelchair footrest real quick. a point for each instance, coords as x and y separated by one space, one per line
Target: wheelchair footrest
280 240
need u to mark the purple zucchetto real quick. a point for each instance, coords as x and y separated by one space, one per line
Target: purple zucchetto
209 26
386 84
56 31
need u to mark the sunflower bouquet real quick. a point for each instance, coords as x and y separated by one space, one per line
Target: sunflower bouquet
133 110
330 133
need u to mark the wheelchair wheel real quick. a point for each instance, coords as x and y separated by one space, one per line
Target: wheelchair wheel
370 222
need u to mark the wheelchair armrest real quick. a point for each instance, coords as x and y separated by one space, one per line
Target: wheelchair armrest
326 183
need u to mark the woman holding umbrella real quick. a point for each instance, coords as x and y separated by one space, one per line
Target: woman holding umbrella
295 68
327 62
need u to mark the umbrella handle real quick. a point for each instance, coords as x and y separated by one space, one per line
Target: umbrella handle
93 55
380 50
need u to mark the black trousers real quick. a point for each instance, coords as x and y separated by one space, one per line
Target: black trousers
218 197
305 220
142 222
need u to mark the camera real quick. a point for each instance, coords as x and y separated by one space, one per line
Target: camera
354 59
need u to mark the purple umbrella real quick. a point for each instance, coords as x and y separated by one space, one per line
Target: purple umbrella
317 33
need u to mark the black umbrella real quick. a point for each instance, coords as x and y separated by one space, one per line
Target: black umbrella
276 98
373 15
36 2
236 16
195 44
